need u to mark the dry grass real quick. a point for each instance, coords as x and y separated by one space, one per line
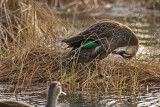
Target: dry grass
90 6
76 6
30 37
30 45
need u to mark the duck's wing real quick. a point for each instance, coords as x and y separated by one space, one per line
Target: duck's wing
96 32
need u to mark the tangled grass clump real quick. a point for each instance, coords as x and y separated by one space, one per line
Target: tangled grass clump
30 36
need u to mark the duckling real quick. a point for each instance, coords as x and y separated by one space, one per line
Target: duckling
101 39
53 93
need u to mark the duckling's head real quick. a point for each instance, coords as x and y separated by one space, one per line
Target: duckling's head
55 88
53 93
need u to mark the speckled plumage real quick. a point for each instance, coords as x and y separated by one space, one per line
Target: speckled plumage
109 34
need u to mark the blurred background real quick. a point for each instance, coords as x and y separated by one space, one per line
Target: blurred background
143 16
30 41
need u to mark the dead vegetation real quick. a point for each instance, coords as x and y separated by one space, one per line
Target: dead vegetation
30 47
76 6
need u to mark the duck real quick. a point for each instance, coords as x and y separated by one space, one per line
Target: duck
99 40
54 91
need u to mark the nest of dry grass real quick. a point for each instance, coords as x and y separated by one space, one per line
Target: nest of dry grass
30 47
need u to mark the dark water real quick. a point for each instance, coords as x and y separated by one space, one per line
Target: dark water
36 95
145 23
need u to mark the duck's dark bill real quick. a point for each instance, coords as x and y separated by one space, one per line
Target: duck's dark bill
121 52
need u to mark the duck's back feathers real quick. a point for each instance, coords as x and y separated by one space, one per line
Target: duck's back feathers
96 32
100 30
